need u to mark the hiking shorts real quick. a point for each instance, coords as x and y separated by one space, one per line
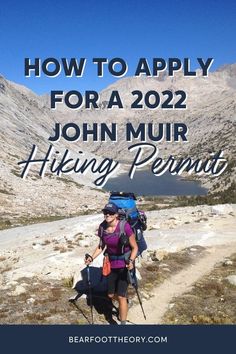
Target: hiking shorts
118 282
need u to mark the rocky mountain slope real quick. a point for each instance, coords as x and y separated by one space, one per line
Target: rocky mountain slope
210 115
26 119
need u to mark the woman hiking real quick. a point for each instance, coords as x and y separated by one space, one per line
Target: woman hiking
121 255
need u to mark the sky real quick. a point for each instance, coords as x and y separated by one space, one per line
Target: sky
127 29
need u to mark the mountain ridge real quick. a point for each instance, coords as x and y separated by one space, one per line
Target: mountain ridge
27 119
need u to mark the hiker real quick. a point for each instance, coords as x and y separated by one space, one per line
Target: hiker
120 261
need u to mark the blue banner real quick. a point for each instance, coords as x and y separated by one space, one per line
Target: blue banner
111 339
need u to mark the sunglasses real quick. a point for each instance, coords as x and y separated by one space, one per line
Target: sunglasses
106 212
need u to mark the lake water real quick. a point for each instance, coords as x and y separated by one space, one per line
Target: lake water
146 183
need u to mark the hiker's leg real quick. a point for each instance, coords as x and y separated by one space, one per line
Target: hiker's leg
122 287
112 279
111 284
123 308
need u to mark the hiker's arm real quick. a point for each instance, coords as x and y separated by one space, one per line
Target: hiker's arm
96 253
134 251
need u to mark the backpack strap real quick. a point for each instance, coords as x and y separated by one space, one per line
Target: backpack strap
100 241
122 234
122 227
100 234
129 211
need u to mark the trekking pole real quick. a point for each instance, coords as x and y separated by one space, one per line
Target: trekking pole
134 283
89 286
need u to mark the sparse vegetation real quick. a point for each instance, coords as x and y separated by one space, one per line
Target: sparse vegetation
16 172
154 274
22 221
79 236
14 156
70 246
211 301
4 191
60 248
98 190
223 197
68 282
71 181
7 268
42 303
5 224
46 242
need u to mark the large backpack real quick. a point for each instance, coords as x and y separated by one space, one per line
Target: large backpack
128 212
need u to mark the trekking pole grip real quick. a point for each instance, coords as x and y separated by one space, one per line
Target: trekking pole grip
87 256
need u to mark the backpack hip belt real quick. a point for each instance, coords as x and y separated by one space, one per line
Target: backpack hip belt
120 257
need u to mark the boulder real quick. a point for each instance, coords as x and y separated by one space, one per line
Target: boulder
160 254
232 279
18 290
30 301
222 209
227 262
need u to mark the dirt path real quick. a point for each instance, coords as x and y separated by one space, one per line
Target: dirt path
177 285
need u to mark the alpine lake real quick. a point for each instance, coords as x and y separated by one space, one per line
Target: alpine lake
145 183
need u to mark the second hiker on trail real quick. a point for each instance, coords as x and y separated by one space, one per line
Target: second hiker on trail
120 253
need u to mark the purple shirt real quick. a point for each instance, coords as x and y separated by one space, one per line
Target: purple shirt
111 240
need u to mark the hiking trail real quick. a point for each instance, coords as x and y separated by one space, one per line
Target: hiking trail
178 284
